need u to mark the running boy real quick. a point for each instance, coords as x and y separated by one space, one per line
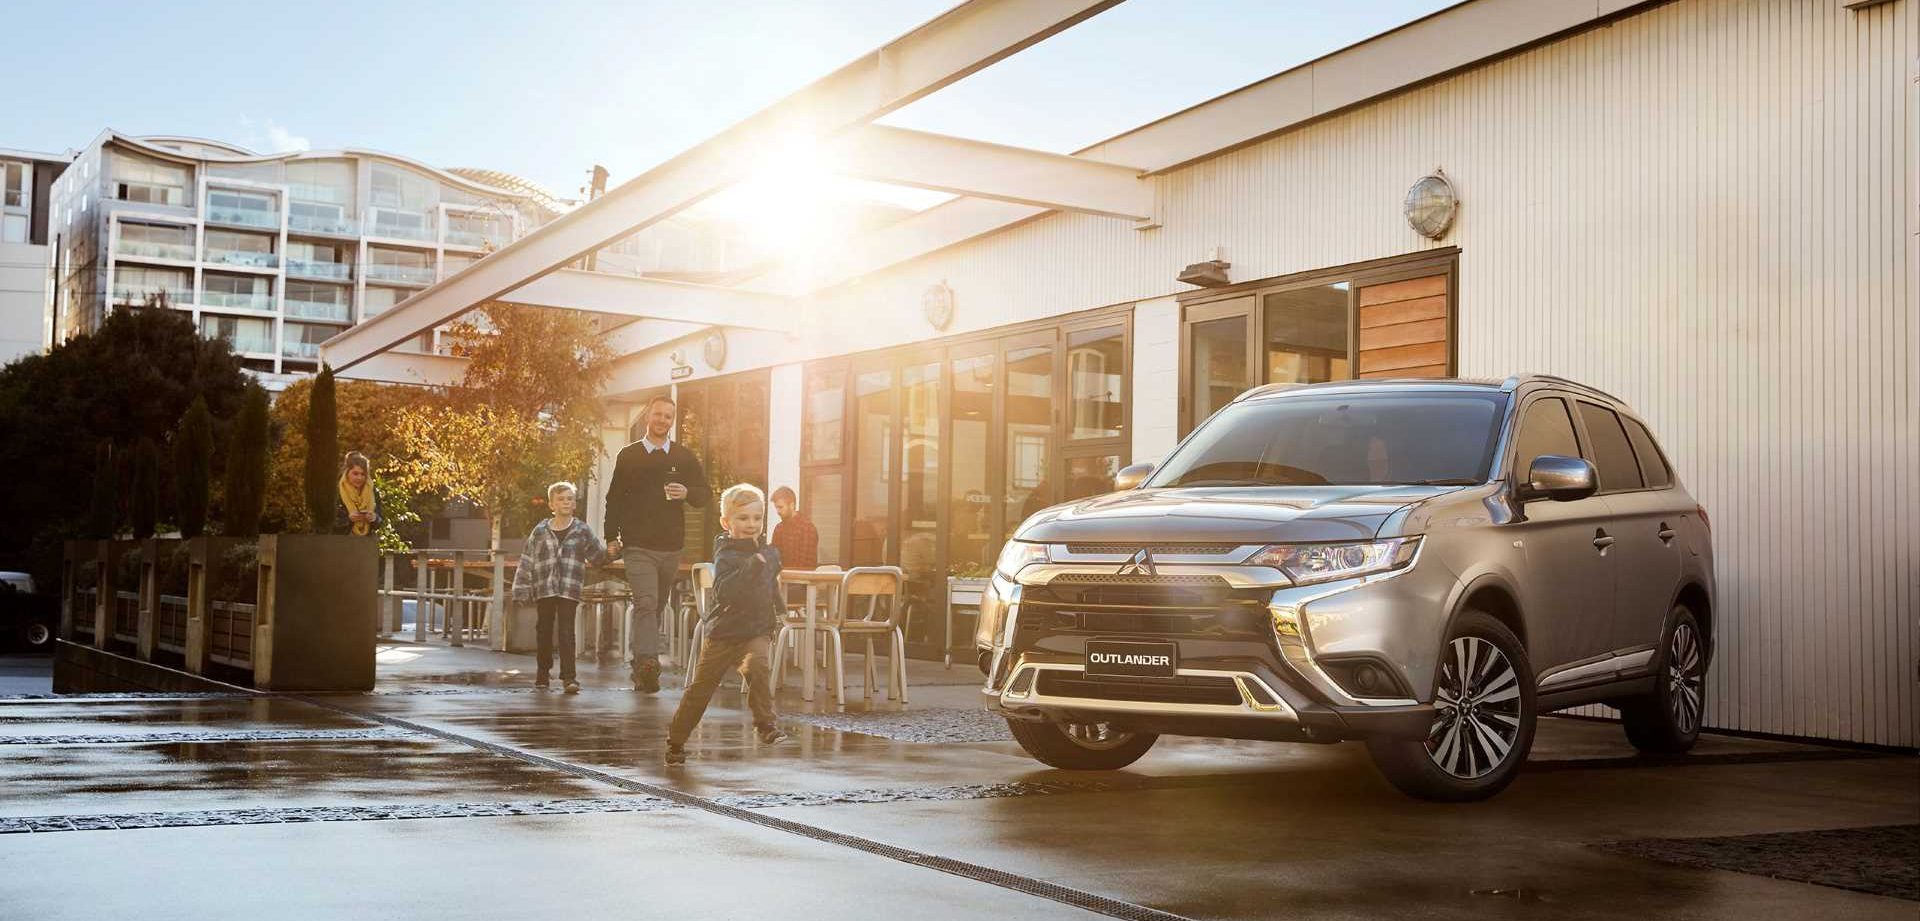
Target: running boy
741 623
552 567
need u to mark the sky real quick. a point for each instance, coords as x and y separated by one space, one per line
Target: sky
547 90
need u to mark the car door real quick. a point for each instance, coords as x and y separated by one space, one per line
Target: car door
1568 585
1646 518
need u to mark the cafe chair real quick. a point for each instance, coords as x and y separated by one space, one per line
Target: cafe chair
874 584
793 627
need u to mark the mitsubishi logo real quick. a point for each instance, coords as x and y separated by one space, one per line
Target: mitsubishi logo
1140 565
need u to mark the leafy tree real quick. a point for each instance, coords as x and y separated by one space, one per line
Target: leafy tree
247 466
132 377
143 505
526 413
323 453
103 515
193 468
368 415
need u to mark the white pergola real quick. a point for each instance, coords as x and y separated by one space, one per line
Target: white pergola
997 185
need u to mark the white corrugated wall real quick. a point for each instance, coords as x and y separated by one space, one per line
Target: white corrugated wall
1707 209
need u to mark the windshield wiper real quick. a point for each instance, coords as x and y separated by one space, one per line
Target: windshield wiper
1446 481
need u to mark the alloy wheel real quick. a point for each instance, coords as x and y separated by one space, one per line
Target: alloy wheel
1097 736
1477 709
1684 693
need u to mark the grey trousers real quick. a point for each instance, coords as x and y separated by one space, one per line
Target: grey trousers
650 575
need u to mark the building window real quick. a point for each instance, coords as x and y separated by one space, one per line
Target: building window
228 247
139 284
380 299
245 334
1096 368
13 180
308 300
138 179
1387 318
13 228
236 292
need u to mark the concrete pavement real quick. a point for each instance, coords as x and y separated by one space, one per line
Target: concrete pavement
456 789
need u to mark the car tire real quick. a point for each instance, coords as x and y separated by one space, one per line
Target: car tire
1483 722
1081 747
1667 721
36 636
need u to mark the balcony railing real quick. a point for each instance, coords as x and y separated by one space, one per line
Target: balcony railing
476 238
330 271
243 217
179 252
334 226
247 342
319 310
236 301
404 274
138 294
307 350
402 225
248 258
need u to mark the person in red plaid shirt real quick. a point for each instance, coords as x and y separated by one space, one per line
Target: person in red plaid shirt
795 535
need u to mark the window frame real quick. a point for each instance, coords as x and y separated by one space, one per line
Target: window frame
1593 448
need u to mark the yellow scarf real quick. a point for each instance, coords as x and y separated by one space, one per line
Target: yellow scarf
357 500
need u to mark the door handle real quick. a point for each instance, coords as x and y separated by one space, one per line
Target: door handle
1601 540
1666 533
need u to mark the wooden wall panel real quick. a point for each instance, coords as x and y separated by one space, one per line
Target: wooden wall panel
1403 328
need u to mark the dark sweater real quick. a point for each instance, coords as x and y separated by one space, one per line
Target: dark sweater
746 590
638 511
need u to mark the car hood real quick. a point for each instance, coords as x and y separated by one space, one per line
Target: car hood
1236 514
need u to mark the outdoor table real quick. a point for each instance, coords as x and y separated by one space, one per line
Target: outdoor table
812 580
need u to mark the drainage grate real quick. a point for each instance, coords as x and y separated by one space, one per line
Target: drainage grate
43 824
216 735
1113 908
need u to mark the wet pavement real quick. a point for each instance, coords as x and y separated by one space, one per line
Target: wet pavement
457 789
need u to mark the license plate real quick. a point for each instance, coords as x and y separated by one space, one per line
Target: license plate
1124 659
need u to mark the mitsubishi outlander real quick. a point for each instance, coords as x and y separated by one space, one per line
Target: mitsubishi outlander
1422 565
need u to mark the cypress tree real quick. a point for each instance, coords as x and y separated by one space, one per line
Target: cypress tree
103 514
143 506
323 452
193 467
247 466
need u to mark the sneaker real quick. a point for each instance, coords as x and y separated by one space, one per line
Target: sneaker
771 735
646 675
573 687
541 682
676 754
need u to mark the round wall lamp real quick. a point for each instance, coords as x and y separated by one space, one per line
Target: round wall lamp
1431 205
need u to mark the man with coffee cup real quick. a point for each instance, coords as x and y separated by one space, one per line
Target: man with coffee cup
654 479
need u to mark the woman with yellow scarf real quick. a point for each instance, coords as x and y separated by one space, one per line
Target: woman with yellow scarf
358 511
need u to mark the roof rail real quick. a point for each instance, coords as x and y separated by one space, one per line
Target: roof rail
1557 379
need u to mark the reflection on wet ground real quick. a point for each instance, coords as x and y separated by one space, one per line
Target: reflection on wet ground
1199 828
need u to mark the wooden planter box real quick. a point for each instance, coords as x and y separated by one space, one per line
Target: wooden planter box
318 606
209 627
80 575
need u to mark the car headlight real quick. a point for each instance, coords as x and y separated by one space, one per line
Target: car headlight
1307 564
1016 555
995 604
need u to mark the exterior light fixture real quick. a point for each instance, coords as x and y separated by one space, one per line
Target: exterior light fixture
714 350
1431 205
936 304
1209 274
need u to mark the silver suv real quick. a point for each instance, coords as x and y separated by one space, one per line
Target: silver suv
1421 564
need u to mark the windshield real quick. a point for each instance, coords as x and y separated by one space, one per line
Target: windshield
1436 438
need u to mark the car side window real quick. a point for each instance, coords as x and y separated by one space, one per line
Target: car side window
1653 465
1611 452
1545 429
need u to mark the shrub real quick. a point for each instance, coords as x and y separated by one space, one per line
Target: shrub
247 466
193 467
143 505
323 453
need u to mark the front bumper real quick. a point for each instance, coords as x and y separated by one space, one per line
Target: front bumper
1253 667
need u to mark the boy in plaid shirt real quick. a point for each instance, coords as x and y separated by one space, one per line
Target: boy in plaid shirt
553 566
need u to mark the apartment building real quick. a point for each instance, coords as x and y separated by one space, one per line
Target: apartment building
26 179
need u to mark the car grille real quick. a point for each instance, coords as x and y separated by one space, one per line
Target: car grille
1147 609
1130 549
1193 689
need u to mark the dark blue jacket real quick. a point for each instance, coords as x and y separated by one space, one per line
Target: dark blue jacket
746 590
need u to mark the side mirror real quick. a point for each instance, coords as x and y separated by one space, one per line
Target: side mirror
1560 478
1131 475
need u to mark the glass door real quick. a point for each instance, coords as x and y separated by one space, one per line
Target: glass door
870 540
1218 361
921 427
972 529
1030 450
